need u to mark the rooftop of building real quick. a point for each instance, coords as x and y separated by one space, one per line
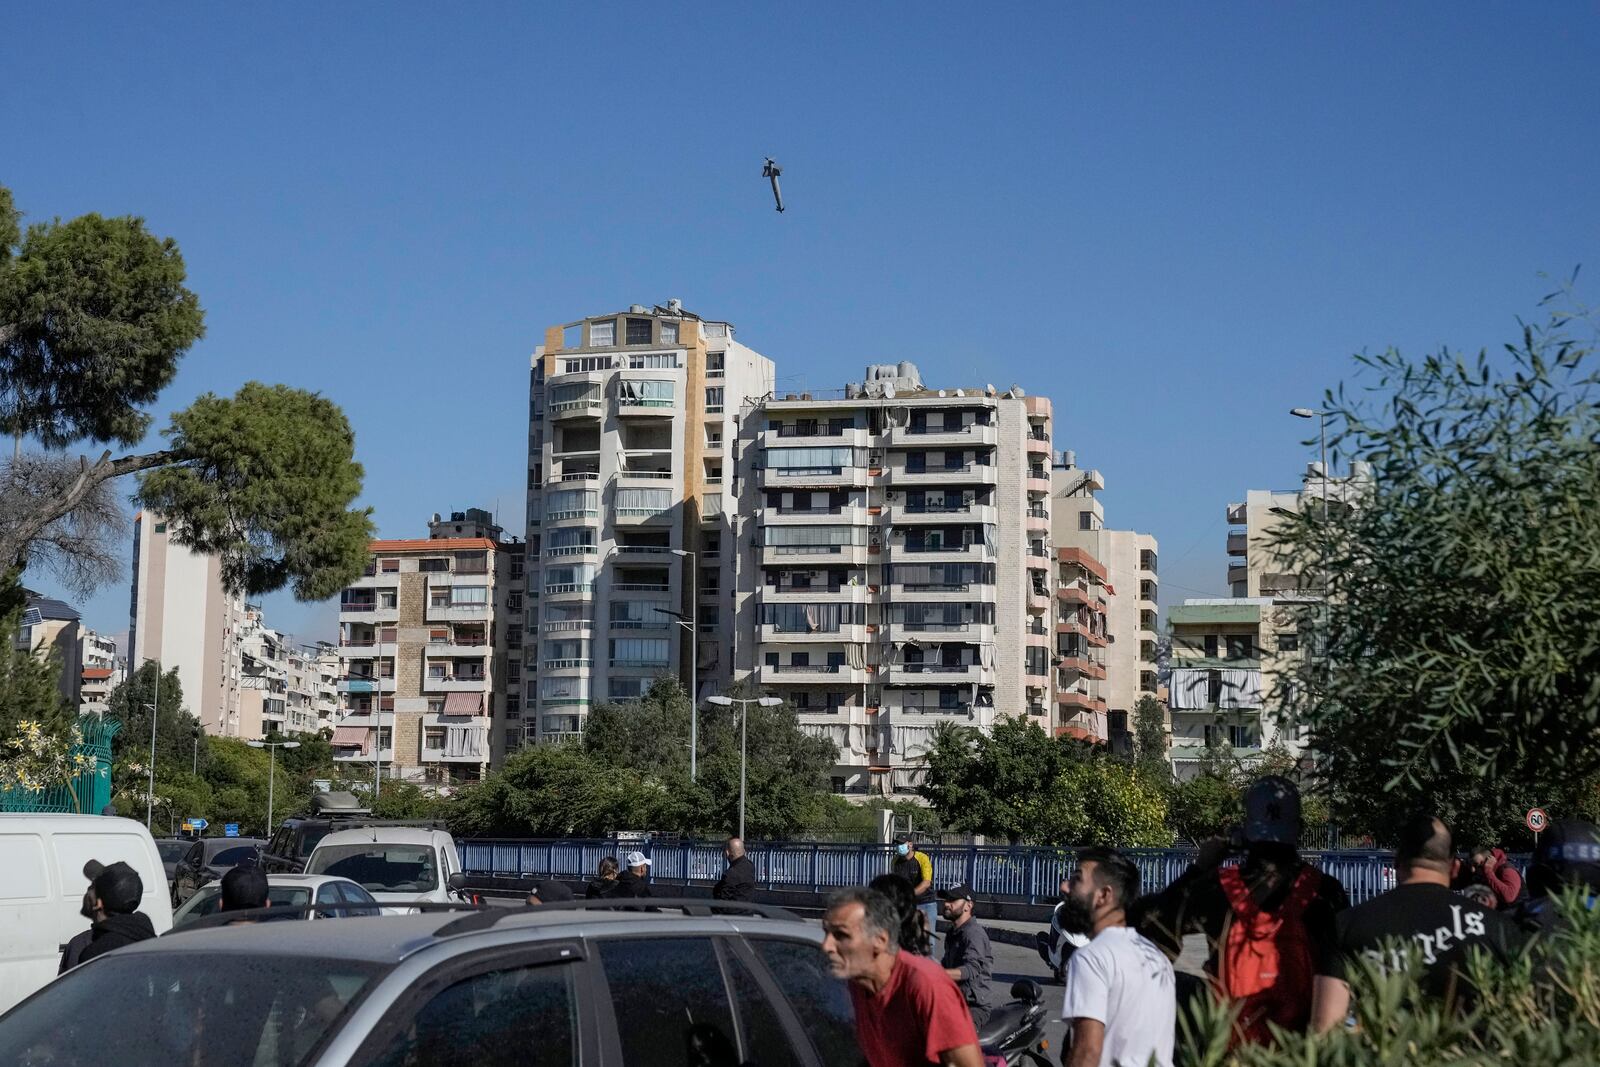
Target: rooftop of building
900 383
45 608
95 674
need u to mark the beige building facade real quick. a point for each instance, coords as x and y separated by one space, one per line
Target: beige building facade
429 636
895 569
632 421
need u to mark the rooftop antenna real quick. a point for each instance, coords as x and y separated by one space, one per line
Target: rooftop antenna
771 171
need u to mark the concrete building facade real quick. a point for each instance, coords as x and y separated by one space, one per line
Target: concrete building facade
894 565
632 419
50 628
1120 569
428 637
180 615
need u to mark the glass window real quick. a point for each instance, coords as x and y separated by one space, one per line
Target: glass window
205 1009
643 501
669 333
516 1017
810 459
660 988
714 398
603 334
819 999
380 868
648 393
232 857
766 1042
639 331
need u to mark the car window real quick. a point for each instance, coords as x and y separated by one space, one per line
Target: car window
379 867
196 851
198 1009
279 842
206 901
309 836
766 1042
172 851
514 1017
356 895
666 992
232 857
819 999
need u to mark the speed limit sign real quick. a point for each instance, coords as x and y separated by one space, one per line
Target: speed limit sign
1538 821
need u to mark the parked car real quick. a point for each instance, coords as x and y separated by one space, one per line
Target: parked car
398 865
286 891
172 850
42 857
498 987
209 859
291 844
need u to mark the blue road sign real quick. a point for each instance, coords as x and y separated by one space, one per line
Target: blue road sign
196 824
230 829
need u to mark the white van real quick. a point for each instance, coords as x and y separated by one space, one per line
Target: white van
398 865
42 886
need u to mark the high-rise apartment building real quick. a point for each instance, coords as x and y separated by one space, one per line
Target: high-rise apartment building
180 615
312 676
632 417
895 565
1109 573
431 636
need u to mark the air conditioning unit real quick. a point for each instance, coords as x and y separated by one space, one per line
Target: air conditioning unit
891 496
875 456
874 540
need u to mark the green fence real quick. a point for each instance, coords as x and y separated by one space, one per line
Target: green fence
91 786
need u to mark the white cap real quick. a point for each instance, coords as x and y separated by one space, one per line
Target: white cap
636 859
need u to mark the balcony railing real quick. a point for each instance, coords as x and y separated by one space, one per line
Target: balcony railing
962 469
641 587
935 668
807 668
566 664
937 509
967 547
640 664
815 431
569 587
825 509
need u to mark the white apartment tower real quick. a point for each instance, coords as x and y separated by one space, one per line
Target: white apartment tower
632 417
895 565
180 615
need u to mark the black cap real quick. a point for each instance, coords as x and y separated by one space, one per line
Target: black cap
550 891
1568 855
1272 812
956 891
117 885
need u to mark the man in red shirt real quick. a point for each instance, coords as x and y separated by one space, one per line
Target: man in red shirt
908 1011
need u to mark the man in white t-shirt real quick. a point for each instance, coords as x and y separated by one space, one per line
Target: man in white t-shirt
1121 1005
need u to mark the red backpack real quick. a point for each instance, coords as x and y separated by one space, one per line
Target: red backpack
1266 961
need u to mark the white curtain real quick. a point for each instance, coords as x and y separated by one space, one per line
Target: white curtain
855 656
466 741
1240 689
1188 688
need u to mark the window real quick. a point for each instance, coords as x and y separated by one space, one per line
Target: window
817 998
669 333
633 614
433 565
584 365
1242 736
714 398
1211 646
639 652
639 331
161 527
1289 641
1240 648
653 361
766 1040
659 988
643 502
603 334
574 395
646 393
1085 520
518 1015
572 503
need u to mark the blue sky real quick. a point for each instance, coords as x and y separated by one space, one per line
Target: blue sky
1176 220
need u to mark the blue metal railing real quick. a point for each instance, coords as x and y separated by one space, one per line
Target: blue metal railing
1030 874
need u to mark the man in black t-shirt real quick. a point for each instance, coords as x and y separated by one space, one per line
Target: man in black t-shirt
1422 912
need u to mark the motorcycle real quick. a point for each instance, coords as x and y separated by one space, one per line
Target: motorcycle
1014 1033
1056 946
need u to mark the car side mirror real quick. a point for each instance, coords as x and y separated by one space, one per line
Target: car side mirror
457 881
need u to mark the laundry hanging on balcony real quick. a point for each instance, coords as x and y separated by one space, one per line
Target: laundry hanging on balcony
1240 689
855 656
469 741
1190 688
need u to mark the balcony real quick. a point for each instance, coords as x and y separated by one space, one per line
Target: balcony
855 634
1081 629
787 674
589 407
808 477
791 437
1072 667
968 436
964 474
973 552
944 593
917 514
926 674
645 477
359 684
1037 483
1038 446
1238 571
567 626
451 649
633 407
813 556
456 612
1038 521
843 593
451 683
562 591
565 666
1238 543
641 516
1081 592
1072 701
821 515
368 612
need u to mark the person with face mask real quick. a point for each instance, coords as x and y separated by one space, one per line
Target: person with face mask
72 955
968 955
1121 1001
917 869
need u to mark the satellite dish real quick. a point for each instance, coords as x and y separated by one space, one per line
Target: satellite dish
960 393
989 388
1016 392
888 391
941 392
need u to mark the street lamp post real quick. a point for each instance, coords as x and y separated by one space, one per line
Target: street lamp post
272 767
150 794
744 734
1322 435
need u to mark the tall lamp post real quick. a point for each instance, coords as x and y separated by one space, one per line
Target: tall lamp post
1322 435
744 734
272 767
150 789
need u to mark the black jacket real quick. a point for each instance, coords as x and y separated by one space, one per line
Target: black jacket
114 931
72 955
631 885
738 882
601 889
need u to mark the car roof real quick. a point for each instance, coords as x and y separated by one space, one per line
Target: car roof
384 835
391 939
217 844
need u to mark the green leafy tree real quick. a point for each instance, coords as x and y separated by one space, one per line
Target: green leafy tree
94 318
561 790
1456 660
994 783
29 684
1205 806
1150 738
176 729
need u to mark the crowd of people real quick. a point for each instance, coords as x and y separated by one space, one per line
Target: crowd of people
1284 940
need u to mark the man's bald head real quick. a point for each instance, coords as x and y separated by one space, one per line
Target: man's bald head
734 848
1425 845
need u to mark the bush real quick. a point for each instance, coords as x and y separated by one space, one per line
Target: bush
1542 1009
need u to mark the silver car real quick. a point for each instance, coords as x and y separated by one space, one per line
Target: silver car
561 984
292 892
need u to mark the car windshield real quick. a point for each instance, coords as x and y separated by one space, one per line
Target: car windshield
232 857
200 1009
208 901
378 867
173 851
